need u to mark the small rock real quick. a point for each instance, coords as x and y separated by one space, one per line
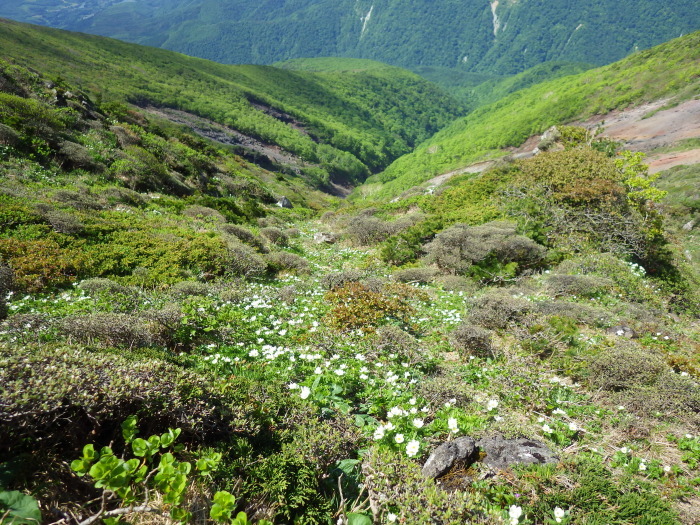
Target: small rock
284 202
622 331
502 453
325 237
446 455
689 225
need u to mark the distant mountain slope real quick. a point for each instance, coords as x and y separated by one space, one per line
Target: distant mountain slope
669 70
501 36
339 125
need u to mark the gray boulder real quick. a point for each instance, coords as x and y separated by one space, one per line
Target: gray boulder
325 238
446 455
503 453
284 202
621 331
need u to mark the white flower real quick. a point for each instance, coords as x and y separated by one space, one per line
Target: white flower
253 353
624 450
399 438
305 392
547 429
540 419
340 372
293 386
391 517
514 514
667 468
688 436
318 370
364 377
559 412
389 426
413 401
621 407
492 405
379 433
497 418
418 423
559 514
452 425
642 466
412 448
573 427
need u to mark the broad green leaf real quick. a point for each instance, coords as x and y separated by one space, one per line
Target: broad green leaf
355 518
129 429
20 508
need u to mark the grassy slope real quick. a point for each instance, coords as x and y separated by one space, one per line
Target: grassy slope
671 69
328 105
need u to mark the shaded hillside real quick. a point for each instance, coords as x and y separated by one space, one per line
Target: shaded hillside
342 125
669 70
501 37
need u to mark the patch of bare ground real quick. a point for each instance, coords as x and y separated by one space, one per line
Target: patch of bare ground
661 128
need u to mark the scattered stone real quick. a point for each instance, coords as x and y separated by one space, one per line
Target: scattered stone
621 331
503 453
689 225
284 202
446 455
325 238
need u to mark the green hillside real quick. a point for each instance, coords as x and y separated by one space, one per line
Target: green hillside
341 126
192 334
669 70
500 38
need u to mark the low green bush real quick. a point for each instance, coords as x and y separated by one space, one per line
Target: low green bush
498 309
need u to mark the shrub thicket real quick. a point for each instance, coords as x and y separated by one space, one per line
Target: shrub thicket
498 309
624 367
470 340
109 329
492 251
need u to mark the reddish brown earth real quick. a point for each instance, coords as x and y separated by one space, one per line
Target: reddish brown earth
664 128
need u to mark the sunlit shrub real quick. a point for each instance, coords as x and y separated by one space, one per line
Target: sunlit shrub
188 289
578 285
331 281
498 309
415 275
204 213
109 329
275 236
357 307
243 261
285 261
38 264
470 340
491 251
625 366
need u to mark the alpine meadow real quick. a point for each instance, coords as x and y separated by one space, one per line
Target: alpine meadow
412 262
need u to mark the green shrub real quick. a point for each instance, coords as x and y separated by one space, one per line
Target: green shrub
50 395
244 262
395 485
109 329
498 309
415 275
6 285
470 340
124 196
60 221
332 281
100 285
80 200
188 289
275 236
354 306
244 235
624 367
203 213
285 261
491 251
456 283
577 285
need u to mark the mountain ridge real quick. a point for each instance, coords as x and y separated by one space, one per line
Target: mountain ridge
499 37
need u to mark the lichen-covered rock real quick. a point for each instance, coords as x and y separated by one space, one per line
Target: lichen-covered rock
503 453
446 455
